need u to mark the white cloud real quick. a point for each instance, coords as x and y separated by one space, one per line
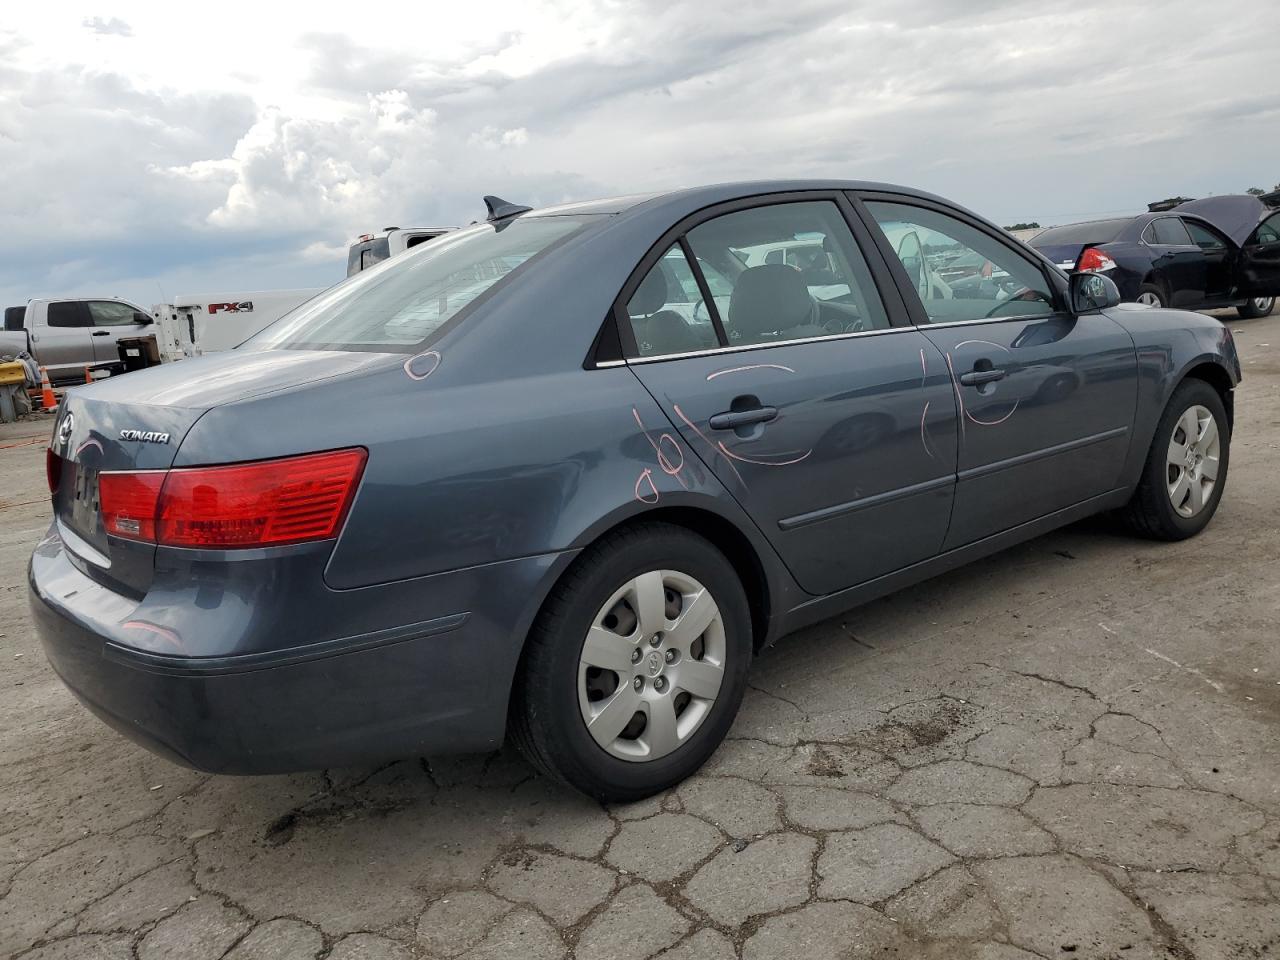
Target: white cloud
113 27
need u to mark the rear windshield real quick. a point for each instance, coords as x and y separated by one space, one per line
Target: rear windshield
402 303
1095 231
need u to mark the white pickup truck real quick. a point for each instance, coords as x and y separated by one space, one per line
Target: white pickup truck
67 334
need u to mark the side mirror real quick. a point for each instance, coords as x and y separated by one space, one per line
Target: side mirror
140 317
1092 291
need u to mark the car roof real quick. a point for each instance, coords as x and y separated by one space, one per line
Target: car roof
694 198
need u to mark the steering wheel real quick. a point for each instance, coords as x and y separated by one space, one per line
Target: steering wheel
1024 295
701 304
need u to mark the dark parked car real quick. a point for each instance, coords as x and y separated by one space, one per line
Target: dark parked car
1201 255
511 480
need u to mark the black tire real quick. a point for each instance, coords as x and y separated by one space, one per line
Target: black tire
546 722
1155 291
1150 512
1252 310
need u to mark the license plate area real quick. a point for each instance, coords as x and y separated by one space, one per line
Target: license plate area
84 511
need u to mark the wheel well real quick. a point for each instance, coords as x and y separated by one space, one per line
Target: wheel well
1217 378
730 541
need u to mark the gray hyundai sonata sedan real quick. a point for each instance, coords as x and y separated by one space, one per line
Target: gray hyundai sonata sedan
564 472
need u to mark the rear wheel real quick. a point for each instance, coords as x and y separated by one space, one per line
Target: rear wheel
1257 307
1151 295
1186 468
636 665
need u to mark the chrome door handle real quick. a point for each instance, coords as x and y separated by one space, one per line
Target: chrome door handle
742 418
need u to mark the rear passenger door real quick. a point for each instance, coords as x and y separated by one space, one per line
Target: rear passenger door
112 320
805 391
64 346
1180 264
1046 398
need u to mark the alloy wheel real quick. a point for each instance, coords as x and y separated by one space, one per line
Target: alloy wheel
652 665
1149 298
1193 460
1264 305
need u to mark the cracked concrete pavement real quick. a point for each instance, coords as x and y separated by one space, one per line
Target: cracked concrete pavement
1064 751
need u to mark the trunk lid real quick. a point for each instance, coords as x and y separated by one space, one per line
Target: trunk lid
138 422
1065 255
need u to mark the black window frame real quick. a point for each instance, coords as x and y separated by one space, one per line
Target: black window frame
1055 279
882 280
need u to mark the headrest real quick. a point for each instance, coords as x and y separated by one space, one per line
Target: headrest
769 298
651 295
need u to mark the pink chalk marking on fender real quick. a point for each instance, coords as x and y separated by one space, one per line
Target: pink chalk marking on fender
163 633
750 366
431 354
646 476
924 436
85 446
663 460
924 368
703 437
762 463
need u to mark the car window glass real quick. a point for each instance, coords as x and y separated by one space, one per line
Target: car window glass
984 277
105 313
1205 238
787 271
1268 230
402 303
667 313
1169 231
65 313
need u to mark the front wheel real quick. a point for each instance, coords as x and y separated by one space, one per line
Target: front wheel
1257 307
1186 468
636 665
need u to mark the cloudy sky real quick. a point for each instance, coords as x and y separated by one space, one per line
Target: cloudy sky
151 149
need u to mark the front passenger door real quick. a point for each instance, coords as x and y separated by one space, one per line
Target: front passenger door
112 320
1046 398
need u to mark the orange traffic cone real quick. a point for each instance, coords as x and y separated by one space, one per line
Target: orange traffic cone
46 390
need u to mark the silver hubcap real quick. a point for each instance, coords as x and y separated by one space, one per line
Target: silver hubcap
1263 304
651 665
1149 298
1192 465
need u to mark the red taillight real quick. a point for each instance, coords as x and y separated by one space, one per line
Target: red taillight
1094 260
267 503
52 469
128 502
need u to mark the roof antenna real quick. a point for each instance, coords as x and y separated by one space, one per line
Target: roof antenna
500 209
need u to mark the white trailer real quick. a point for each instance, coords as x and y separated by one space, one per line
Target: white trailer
195 324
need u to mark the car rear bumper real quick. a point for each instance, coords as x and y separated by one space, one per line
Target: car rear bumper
436 685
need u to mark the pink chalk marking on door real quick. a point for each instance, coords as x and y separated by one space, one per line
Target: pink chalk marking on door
703 437
664 462
955 384
762 463
924 436
750 366
993 423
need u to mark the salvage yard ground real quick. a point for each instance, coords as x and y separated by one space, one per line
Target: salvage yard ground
1068 750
